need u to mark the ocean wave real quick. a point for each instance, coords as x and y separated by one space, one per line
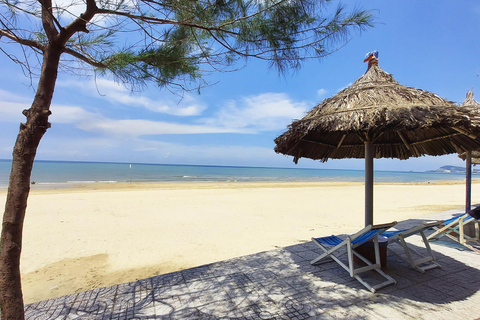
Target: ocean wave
91 181
69 173
81 181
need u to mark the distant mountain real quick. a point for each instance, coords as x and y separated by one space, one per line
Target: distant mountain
453 169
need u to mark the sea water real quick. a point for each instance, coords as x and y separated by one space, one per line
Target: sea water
69 173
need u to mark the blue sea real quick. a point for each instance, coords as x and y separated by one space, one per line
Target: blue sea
66 173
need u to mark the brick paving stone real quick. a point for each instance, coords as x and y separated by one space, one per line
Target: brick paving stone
295 257
198 273
224 268
285 270
307 255
165 307
354 312
309 245
307 283
306 267
260 275
234 280
170 291
298 306
168 279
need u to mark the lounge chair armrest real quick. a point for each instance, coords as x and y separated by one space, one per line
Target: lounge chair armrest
384 225
429 224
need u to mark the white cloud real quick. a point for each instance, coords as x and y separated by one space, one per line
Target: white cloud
263 112
136 128
11 106
203 154
251 114
72 114
79 149
321 93
97 123
72 9
8 96
140 150
115 93
12 111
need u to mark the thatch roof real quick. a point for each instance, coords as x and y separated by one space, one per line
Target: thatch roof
471 103
402 122
475 156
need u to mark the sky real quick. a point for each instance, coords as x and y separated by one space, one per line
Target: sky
432 45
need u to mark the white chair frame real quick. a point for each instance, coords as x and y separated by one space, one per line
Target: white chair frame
351 245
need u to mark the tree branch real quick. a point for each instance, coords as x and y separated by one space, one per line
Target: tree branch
252 15
19 8
80 23
47 19
84 58
25 42
154 20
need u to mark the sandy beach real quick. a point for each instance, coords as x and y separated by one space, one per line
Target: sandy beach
101 234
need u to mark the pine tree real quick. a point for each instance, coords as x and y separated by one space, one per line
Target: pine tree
173 43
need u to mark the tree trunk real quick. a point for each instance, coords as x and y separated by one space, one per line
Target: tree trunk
28 139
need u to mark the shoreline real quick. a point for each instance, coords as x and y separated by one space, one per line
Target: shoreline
98 235
167 185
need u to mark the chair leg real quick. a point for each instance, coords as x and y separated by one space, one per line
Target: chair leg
319 259
324 256
407 251
372 267
355 272
416 264
434 263
464 244
444 230
327 253
461 232
350 268
477 232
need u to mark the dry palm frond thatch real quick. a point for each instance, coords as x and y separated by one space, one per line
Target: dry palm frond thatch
400 121
470 102
475 156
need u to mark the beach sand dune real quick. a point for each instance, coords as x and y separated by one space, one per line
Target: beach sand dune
102 234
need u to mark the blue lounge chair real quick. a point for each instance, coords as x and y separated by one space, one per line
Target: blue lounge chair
453 228
333 244
398 236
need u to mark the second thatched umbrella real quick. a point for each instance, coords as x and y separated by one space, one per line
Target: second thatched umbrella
376 117
470 157
475 156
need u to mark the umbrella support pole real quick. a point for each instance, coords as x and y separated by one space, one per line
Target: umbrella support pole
368 183
468 178
471 229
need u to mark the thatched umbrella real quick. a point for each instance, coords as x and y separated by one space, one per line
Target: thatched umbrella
376 117
470 157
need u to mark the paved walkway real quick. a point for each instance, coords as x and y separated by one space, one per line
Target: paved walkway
281 284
